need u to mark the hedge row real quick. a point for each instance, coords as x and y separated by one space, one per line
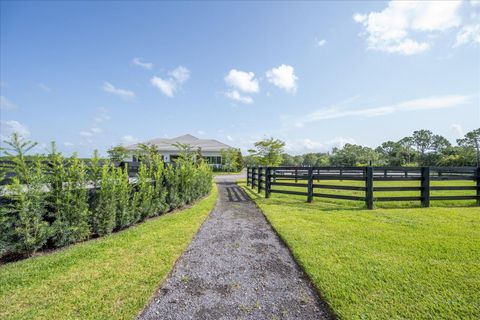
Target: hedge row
61 201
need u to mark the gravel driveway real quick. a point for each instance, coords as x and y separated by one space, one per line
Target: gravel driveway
235 268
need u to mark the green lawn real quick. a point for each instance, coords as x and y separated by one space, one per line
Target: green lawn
108 278
387 263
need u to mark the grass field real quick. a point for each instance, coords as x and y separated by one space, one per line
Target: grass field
388 263
108 278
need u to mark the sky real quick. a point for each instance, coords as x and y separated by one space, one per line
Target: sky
91 75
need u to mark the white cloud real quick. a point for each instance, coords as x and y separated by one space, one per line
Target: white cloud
169 86
144 65
96 130
235 95
68 144
458 129
108 87
6 104
430 103
469 33
283 77
86 133
229 138
243 81
320 43
301 146
475 3
180 74
201 132
44 87
7 128
395 28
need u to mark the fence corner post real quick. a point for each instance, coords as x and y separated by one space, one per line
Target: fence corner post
267 182
425 184
369 187
478 186
310 185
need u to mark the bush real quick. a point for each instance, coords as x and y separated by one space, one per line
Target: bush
24 229
143 196
159 201
68 201
104 209
125 211
49 203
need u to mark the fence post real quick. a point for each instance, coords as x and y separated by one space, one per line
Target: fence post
248 176
267 182
369 187
310 185
259 180
296 173
425 183
253 177
478 186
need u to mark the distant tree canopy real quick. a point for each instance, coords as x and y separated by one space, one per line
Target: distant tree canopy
422 148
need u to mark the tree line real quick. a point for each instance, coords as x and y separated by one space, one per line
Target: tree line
422 148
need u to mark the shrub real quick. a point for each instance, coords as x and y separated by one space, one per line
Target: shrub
103 213
125 212
68 199
143 197
173 187
159 202
24 229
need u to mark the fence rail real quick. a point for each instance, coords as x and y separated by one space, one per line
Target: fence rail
268 178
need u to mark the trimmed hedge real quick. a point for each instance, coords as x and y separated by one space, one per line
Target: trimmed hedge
53 201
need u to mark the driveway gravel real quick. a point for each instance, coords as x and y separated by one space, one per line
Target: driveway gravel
236 267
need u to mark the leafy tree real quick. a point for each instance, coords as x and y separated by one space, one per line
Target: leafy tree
268 151
118 153
391 153
103 214
17 149
230 159
354 155
310 159
472 140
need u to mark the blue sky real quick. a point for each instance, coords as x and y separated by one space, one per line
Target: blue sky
95 74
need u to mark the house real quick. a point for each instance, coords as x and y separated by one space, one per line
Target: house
210 148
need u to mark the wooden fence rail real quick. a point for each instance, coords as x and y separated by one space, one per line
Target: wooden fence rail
267 178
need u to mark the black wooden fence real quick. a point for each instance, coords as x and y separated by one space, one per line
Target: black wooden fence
267 178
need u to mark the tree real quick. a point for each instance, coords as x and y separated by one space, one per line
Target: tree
147 152
354 155
117 153
391 153
230 159
429 146
472 140
268 151
17 149
310 159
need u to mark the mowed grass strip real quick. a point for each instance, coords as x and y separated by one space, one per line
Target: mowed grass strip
397 263
107 278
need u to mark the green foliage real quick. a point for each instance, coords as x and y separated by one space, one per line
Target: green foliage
103 213
68 199
268 152
117 153
231 159
24 229
144 193
123 196
354 155
48 201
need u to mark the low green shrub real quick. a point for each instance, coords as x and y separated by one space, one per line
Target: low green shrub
103 213
144 193
123 191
